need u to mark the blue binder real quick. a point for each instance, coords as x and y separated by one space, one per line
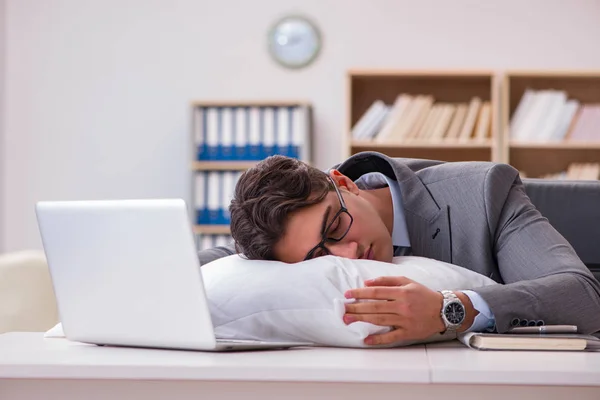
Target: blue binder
291 148
201 150
202 213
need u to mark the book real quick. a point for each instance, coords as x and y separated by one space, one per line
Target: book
432 118
468 127
441 127
457 121
482 125
524 341
520 112
397 112
420 119
372 118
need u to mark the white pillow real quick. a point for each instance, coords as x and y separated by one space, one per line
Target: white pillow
271 300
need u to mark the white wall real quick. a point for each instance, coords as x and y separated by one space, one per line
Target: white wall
97 92
2 158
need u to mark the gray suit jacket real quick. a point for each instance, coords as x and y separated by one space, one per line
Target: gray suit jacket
487 224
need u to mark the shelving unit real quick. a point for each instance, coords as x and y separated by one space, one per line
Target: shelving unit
503 90
222 165
433 151
535 158
211 229
230 137
449 87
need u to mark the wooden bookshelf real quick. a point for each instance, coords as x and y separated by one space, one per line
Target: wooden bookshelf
433 151
222 165
219 154
251 103
538 158
452 87
211 229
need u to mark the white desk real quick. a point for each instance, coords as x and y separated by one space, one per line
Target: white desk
32 367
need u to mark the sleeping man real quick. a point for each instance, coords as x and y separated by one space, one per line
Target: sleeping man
472 214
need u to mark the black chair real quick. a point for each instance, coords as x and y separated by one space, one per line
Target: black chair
573 208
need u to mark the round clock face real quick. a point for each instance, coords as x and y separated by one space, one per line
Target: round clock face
294 42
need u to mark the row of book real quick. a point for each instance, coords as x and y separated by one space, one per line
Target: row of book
577 171
213 192
232 133
421 118
550 116
210 241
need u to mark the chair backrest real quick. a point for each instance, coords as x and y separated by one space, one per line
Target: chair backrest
573 208
27 301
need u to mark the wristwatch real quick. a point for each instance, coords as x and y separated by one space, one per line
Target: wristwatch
453 311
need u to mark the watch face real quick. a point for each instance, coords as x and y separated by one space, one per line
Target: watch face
454 312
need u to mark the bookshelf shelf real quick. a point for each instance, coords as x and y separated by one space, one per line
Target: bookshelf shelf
211 229
251 103
422 145
558 146
434 153
222 165
551 143
543 115
426 73
229 137
538 161
408 133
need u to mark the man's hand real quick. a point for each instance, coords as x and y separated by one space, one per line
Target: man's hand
412 309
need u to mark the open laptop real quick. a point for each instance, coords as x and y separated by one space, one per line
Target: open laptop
126 273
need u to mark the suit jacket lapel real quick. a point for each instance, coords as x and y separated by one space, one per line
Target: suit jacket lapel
428 222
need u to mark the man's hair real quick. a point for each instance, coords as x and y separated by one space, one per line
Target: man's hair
265 195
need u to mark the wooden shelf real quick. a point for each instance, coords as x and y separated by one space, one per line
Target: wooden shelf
584 87
434 153
552 73
251 103
222 165
211 229
558 146
371 72
538 161
220 122
446 86
541 158
422 144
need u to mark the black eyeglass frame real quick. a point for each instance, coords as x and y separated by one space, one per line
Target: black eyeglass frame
324 238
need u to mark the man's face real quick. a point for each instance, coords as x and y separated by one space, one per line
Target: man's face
367 237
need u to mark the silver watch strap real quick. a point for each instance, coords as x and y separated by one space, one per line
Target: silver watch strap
449 295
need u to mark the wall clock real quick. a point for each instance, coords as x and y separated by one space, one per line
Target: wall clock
294 42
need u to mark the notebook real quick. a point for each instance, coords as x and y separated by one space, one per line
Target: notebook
530 341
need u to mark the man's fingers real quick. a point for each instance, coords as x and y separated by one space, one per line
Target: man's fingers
373 293
388 281
376 319
372 307
397 335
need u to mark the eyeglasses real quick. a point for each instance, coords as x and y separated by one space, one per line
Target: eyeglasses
333 231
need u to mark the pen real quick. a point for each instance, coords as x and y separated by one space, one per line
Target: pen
544 329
